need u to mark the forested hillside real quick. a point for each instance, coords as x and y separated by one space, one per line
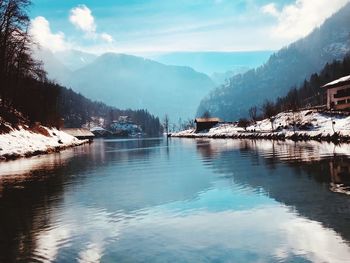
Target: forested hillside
286 68
311 93
25 87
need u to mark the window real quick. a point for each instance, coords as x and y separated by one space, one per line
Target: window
342 93
341 102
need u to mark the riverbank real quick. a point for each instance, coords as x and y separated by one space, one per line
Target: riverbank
25 142
297 126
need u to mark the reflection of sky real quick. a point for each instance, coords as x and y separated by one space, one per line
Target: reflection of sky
219 199
173 204
264 232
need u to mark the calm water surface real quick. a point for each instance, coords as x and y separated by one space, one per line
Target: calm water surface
184 200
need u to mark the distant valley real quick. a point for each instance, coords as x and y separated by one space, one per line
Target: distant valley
127 81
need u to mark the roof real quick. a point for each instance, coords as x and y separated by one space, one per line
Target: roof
97 129
207 120
338 82
78 132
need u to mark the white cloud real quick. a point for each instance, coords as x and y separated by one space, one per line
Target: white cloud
299 19
81 17
41 32
106 37
270 9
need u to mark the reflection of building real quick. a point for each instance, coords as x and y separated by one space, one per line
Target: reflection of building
338 93
340 175
125 126
205 123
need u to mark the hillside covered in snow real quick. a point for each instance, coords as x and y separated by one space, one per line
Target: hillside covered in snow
301 125
24 141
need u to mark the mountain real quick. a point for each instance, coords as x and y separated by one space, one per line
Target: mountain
284 69
55 69
74 59
127 81
221 78
210 62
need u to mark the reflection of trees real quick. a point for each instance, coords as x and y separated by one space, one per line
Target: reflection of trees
294 174
205 149
29 197
340 175
25 209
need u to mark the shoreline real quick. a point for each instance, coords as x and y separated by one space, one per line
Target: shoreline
304 125
24 142
277 136
56 149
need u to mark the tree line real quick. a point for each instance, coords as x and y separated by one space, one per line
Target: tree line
310 93
24 86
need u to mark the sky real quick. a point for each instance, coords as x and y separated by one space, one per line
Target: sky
162 26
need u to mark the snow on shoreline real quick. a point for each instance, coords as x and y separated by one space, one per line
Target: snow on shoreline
24 142
310 124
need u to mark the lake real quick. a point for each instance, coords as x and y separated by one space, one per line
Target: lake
178 200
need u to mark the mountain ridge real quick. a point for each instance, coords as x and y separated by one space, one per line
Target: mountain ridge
128 81
286 68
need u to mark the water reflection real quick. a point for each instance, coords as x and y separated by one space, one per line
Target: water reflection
300 175
340 175
182 200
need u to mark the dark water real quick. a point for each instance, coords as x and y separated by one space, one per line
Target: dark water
181 201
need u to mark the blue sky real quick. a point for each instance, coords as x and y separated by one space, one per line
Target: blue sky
136 26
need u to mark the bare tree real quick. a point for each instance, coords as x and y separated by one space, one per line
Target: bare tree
269 111
253 113
189 124
166 124
206 114
16 62
244 123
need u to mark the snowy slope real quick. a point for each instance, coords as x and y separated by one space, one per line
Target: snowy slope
308 123
24 142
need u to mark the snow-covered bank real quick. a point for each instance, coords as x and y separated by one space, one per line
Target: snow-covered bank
24 142
309 124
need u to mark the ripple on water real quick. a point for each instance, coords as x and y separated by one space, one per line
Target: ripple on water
188 200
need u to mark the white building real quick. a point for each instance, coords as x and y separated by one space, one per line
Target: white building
338 93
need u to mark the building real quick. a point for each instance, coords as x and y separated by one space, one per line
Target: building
79 133
100 132
203 124
338 94
124 126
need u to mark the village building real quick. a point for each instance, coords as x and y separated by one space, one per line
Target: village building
203 124
338 94
100 132
124 126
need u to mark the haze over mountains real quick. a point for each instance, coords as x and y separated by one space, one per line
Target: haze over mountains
137 83
75 59
55 69
127 81
286 68
211 62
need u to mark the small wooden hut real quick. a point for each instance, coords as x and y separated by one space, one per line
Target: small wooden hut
203 124
79 133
